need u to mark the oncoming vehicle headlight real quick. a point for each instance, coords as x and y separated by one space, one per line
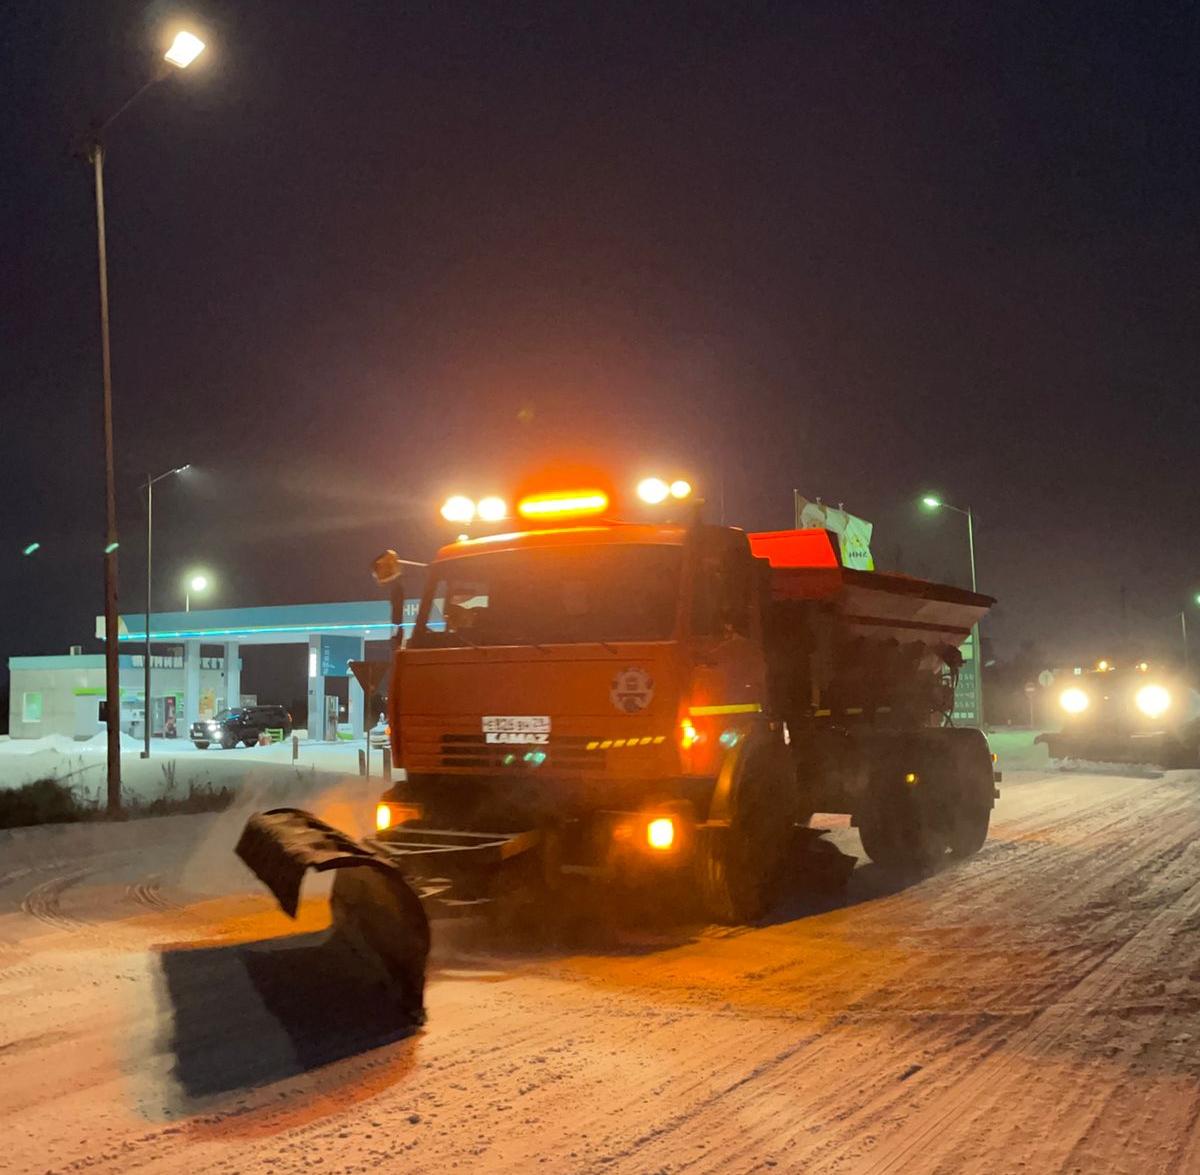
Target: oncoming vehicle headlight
1074 700
1152 700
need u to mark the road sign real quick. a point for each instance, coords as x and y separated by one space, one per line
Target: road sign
369 674
1030 687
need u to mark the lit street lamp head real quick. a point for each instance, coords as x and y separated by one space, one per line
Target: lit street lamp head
931 502
197 583
184 49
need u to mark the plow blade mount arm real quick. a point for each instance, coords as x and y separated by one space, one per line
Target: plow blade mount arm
375 911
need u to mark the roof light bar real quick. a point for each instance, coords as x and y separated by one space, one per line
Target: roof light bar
569 504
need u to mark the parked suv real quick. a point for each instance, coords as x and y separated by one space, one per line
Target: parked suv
242 725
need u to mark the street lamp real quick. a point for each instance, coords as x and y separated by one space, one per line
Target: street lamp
198 582
183 51
195 582
30 549
149 488
933 502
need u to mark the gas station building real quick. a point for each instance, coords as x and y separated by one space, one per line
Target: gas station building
196 668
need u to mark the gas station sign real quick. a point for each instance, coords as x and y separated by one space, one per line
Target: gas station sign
967 700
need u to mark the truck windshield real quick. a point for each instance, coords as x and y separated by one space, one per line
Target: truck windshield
546 595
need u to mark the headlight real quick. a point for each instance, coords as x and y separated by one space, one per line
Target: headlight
1074 700
660 833
394 813
1152 700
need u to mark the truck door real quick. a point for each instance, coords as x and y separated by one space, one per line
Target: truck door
727 651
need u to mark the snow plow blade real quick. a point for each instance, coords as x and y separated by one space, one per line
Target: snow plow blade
375 911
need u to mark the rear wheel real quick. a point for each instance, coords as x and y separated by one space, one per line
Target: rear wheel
969 829
974 786
895 823
895 835
738 868
201 745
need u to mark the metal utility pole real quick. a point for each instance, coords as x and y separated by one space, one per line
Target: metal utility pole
185 48
112 676
150 481
146 703
932 502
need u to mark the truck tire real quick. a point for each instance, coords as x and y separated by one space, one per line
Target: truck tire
895 836
896 822
970 811
969 830
738 868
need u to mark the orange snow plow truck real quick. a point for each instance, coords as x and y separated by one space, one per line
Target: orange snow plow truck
662 704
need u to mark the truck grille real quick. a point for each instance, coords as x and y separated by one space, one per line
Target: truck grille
563 752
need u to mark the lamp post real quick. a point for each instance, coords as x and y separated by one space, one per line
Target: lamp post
197 582
149 488
185 48
1183 629
932 502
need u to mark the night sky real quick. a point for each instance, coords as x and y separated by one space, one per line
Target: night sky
370 253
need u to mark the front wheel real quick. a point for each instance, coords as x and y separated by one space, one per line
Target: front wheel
738 868
201 745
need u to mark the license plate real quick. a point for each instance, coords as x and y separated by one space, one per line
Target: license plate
516 729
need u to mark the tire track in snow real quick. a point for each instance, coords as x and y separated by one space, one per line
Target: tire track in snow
148 892
43 901
990 1080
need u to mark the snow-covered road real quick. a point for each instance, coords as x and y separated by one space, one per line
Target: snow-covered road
1035 1009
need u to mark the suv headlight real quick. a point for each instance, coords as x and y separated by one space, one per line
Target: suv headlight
1074 700
1152 700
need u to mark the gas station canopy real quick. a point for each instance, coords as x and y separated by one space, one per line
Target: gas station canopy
278 625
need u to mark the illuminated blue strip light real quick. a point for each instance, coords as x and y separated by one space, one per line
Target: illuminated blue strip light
201 633
216 624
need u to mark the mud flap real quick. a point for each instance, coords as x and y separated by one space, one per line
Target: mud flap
375 911
821 867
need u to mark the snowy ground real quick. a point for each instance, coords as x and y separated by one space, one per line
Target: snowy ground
1034 1009
174 765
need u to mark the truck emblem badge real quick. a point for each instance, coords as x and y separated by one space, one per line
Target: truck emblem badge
632 690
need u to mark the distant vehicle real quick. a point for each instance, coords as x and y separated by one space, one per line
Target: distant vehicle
241 725
380 734
1135 713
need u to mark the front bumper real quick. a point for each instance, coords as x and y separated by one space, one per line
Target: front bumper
611 841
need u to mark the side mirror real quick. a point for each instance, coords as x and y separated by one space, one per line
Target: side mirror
386 567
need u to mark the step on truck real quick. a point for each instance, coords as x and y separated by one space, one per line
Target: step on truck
660 703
